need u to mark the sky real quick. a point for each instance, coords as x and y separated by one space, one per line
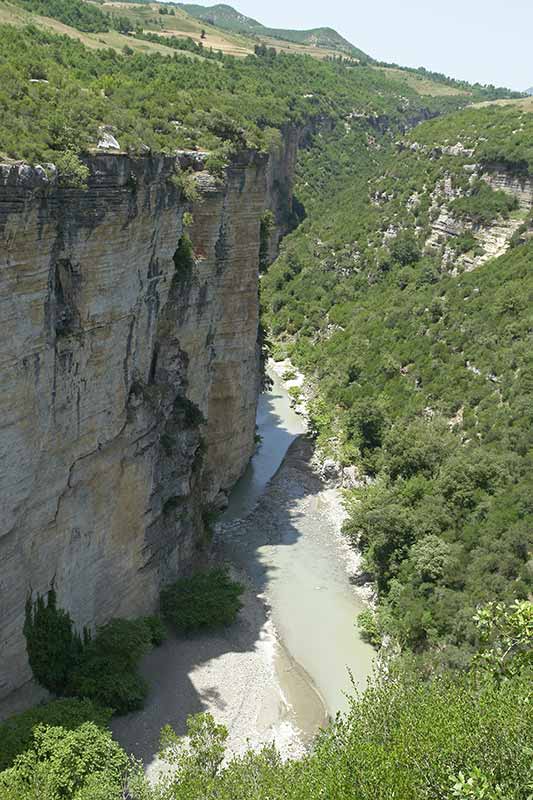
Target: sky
489 41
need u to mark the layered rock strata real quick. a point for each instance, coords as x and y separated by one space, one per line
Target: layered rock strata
129 376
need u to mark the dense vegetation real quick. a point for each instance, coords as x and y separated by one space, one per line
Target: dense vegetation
497 134
462 736
79 14
55 94
422 372
422 378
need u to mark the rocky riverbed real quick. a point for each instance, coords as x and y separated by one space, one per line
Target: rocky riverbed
281 671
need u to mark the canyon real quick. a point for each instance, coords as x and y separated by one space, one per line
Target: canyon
132 368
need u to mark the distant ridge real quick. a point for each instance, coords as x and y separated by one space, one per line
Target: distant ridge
228 18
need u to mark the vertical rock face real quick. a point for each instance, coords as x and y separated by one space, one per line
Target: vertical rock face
130 374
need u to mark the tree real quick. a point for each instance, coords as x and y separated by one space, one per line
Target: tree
52 644
365 422
506 634
203 35
80 764
202 752
404 249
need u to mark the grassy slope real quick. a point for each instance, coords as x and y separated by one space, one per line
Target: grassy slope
424 86
181 24
145 16
11 14
228 18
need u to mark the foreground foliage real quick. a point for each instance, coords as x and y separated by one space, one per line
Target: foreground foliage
81 764
16 733
465 735
460 736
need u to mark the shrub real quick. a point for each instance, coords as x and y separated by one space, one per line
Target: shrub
484 204
216 164
368 627
102 669
107 673
16 733
186 183
463 243
206 600
52 643
73 173
295 393
157 629
365 423
289 375
184 259
404 249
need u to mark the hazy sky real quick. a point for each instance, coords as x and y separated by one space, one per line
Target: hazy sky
490 41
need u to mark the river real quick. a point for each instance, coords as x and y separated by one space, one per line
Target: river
303 569
282 670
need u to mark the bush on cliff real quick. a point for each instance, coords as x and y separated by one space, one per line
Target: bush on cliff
54 647
206 600
16 733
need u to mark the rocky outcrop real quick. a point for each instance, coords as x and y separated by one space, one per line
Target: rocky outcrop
130 374
516 184
492 240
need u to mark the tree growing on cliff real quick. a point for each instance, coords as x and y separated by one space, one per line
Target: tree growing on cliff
52 643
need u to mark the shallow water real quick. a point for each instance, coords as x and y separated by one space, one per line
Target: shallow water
278 425
303 572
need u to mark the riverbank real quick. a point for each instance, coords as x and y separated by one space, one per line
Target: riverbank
236 675
281 671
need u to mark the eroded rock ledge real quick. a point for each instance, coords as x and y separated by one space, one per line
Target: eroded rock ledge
129 376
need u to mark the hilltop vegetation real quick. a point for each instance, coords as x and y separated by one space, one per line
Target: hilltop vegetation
78 13
496 135
55 94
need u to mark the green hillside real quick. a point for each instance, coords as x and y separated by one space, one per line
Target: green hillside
420 362
226 17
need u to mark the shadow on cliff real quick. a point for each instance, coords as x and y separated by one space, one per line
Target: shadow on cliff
170 668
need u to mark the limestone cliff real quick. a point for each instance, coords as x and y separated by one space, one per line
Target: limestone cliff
130 375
